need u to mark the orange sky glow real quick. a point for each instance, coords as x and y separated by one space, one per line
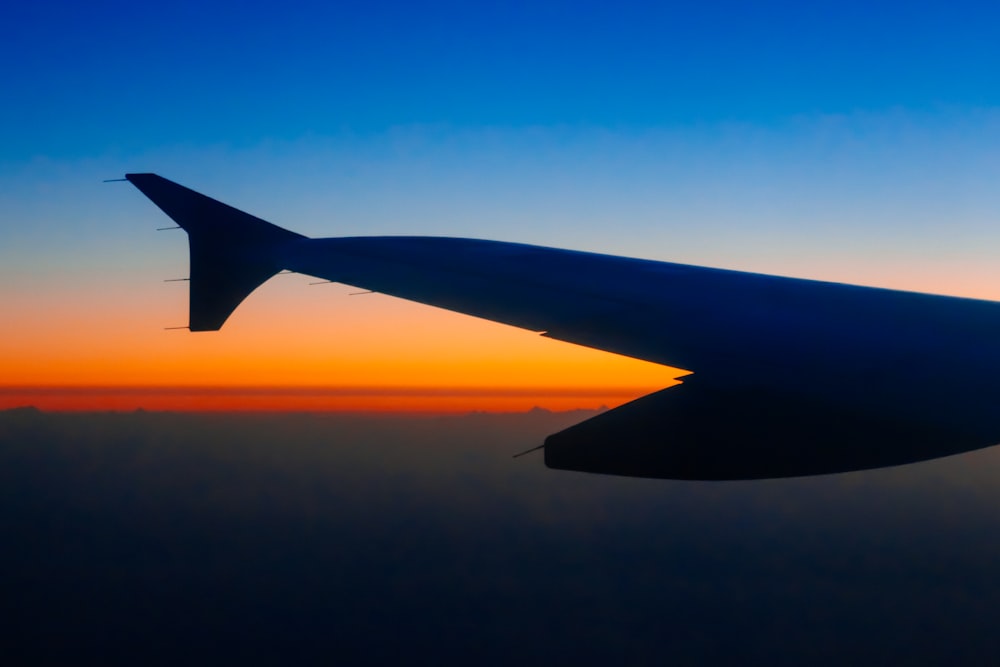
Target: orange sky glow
292 346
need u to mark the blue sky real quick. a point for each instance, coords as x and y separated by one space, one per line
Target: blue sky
857 142
693 127
112 77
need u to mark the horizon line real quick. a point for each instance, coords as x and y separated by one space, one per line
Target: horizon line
288 398
590 391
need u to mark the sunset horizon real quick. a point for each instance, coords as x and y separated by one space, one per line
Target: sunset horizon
429 399
517 333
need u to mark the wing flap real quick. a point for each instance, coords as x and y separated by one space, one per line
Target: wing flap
696 431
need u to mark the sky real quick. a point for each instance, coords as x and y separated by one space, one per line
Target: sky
839 141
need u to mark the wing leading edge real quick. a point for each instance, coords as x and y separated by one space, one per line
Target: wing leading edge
792 376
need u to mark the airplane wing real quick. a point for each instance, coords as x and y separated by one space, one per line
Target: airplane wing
790 376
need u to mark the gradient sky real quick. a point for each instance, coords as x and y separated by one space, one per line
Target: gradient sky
836 141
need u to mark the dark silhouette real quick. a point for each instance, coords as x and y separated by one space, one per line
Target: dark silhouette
792 377
697 431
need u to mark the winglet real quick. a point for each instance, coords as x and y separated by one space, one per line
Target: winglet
232 252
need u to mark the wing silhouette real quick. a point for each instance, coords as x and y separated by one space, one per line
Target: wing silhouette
790 376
